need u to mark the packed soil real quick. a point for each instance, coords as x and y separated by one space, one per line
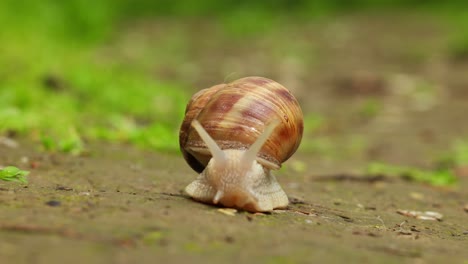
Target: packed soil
386 89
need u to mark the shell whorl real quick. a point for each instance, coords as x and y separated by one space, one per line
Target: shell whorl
235 114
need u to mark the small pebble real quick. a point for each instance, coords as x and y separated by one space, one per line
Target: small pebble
63 188
8 142
53 203
229 239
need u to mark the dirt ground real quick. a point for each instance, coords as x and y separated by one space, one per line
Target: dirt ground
120 204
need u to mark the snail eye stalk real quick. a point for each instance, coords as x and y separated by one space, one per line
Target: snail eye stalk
251 154
215 150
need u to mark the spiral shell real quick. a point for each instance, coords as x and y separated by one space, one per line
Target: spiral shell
235 114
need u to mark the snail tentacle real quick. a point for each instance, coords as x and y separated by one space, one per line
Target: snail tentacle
251 154
216 152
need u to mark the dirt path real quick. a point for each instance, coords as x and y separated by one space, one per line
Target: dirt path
121 205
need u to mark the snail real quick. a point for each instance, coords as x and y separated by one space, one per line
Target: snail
233 135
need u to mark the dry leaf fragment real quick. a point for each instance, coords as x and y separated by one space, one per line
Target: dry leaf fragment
428 215
228 211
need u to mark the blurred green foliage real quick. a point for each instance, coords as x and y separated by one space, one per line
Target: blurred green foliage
457 156
370 108
84 20
53 88
443 175
111 104
440 177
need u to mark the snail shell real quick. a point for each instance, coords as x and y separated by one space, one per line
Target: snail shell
235 116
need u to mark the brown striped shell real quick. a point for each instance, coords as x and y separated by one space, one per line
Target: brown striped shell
235 114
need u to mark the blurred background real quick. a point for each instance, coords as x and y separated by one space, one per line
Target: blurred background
379 81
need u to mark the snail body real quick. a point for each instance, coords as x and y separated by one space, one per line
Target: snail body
234 134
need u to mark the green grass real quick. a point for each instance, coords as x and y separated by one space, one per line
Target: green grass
54 90
458 45
370 108
442 175
11 173
93 102
439 177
